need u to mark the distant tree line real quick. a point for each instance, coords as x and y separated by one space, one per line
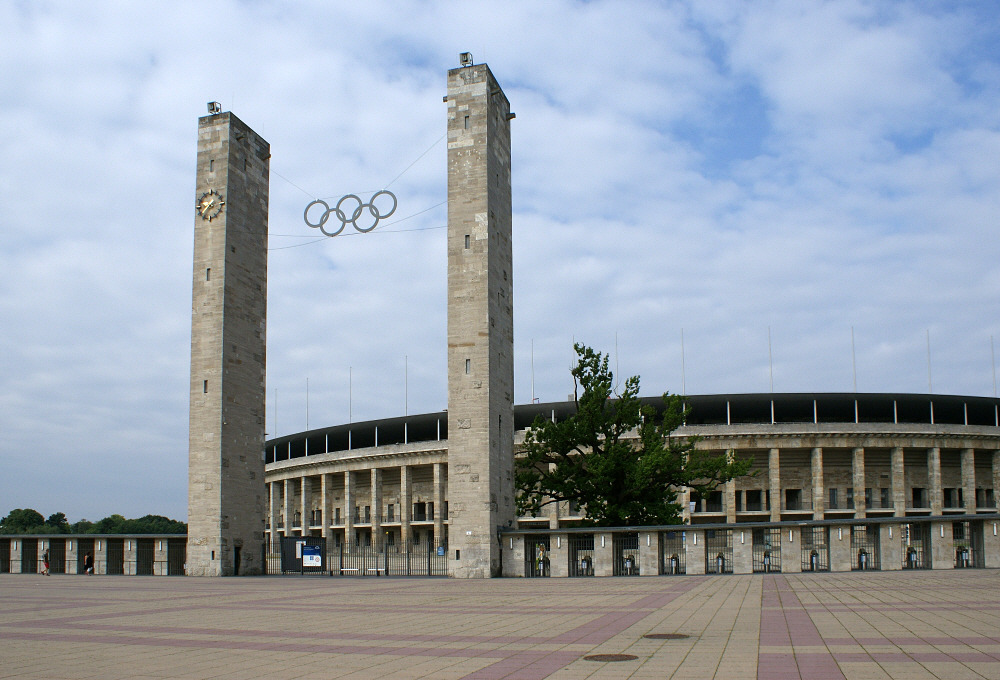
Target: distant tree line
28 521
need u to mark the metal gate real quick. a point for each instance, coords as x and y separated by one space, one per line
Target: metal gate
29 555
84 547
673 556
815 548
581 555
115 556
719 551
536 556
144 557
766 550
865 552
916 545
625 551
4 555
176 556
57 555
968 538
362 560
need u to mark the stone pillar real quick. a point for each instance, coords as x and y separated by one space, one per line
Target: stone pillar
991 544
742 551
695 548
480 322
130 554
228 348
376 495
791 550
969 480
325 498
289 506
349 503
684 498
439 493
818 500
730 500
996 480
603 555
558 555
840 548
649 553
934 480
405 505
890 543
274 512
858 480
942 546
513 555
72 550
898 483
774 482
305 504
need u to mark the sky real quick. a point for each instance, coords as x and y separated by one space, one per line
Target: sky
727 197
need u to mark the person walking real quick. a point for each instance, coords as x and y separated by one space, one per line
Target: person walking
88 564
45 562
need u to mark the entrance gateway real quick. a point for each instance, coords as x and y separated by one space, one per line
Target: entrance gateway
228 345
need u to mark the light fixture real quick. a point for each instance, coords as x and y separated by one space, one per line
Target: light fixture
214 107
465 58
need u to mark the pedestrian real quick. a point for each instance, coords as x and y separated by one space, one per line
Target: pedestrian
45 562
88 564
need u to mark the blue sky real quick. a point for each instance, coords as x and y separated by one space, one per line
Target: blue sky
736 170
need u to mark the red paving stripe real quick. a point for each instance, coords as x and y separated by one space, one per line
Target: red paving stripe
791 625
525 666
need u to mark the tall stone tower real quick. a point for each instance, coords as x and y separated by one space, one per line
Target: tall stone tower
480 322
228 312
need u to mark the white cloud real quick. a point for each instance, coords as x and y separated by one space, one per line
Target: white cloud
725 168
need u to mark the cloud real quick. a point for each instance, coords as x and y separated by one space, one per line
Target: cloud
792 169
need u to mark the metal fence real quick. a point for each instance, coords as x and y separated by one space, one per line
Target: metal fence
766 550
968 541
673 553
916 545
815 548
536 556
865 552
719 551
625 550
581 555
357 560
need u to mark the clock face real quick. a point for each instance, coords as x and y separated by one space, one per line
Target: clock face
210 204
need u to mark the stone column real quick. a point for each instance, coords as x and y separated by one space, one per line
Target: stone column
405 505
890 545
791 551
858 475
730 494
898 483
348 509
289 511
774 482
649 553
934 480
942 546
439 505
996 480
840 548
695 547
376 496
817 483
684 498
969 480
324 508
603 555
742 551
305 504
558 555
273 509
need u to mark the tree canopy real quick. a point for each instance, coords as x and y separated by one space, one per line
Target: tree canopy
615 457
28 521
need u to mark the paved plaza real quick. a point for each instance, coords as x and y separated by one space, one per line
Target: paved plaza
940 624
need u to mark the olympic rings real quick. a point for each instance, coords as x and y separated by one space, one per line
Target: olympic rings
356 213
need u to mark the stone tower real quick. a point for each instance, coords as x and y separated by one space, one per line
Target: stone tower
228 311
480 322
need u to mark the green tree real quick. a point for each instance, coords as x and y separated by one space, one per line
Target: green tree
58 522
22 521
614 456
